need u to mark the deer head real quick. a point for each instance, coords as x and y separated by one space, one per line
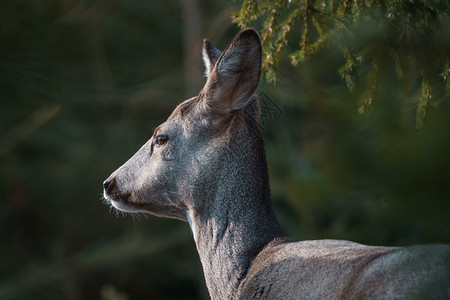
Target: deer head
207 145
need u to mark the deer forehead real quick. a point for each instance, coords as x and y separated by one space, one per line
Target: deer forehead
192 117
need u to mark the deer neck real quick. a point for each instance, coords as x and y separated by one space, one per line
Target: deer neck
237 222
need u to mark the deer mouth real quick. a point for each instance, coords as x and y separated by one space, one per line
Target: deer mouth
130 203
126 202
122 202
115 198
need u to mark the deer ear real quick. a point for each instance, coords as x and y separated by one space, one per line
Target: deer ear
210 56
235 76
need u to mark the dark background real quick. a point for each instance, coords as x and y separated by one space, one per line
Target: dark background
82 86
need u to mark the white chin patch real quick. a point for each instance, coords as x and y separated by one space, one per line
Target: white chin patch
121 206
118 204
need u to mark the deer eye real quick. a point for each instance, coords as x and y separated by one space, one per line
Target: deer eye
161 139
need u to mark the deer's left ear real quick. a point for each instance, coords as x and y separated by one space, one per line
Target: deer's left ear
235 76
210 56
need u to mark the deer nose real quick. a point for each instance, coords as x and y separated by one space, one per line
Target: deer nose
109 183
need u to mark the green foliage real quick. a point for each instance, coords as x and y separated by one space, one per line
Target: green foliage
412 35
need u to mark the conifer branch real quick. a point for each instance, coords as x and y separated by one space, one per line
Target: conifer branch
405 29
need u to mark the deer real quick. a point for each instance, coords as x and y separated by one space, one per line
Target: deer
206 165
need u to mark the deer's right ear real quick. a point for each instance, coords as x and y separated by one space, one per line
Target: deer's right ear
210 56
234 77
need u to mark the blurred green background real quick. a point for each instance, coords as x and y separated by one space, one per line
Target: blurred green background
84 83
